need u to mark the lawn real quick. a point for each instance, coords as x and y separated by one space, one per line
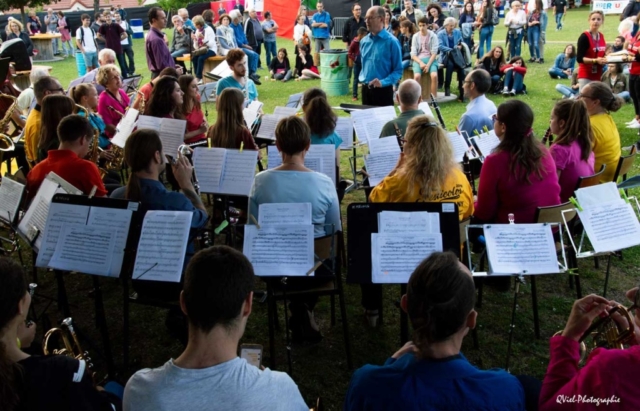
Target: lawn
320 370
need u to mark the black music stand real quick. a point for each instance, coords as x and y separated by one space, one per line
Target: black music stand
348 108
131 84
362 220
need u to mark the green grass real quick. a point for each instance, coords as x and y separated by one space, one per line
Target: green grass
320 370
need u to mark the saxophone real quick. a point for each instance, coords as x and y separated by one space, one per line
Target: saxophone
94 146
6 143
118 152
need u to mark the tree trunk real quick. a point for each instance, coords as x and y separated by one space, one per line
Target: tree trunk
96 6
24 18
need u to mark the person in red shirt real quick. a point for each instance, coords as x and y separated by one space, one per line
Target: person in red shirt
75 134
590 54
514 72
196 123
609 375
633 47
144 92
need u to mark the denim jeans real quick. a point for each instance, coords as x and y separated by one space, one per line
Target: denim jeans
495 79
259 51
253 57
515 42
625 95
179 53
514 81
270 51
486 33
199 61
533 36
122 64
559 20
322 44
128 51
555 72
566 91
357 66
283 76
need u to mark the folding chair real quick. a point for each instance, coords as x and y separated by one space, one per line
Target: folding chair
624 166
591 180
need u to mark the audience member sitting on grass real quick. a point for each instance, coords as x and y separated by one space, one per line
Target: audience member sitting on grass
617 81
493 62
430 371
305 70
514 73
572 90
564 64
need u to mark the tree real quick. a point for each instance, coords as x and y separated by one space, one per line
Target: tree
21 5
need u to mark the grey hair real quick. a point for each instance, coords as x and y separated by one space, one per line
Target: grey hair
105 52
409 92
37 73
235 14
450 20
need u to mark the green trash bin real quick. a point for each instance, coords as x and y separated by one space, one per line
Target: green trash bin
334 72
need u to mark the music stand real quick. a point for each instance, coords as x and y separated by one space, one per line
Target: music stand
362 220
130 84
206 91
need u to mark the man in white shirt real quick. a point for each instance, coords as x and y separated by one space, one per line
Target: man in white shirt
127 46
480 109
209 374
86 41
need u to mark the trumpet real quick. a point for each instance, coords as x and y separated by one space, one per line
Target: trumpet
185 150
6 143
73 350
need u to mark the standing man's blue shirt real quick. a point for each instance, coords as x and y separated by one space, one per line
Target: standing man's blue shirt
381 59
477 116
241 38
321 32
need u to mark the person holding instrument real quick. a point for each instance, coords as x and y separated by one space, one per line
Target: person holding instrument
192 112
113 102
54 109
591 51
144 92
33 382
144 156
86 95
292 182
608 375
431 369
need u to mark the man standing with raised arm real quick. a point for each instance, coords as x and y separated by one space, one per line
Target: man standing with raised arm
381 61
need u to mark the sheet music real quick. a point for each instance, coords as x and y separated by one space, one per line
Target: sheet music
64 184
208 164
171 131
384 145
320 158
60 215
206 90
274 160
368 123
284 213
268 126
379 166
398 222
459 146
251 113
110 218
10 195
285 250
344 129
285 111
521 249
394 257
222 70
85 249
125 127
36 215
597 194
74 83
162 246
424 106
486 143
611 226
295 101
239 172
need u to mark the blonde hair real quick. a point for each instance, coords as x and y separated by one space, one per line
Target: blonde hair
103 73
17 22
428 157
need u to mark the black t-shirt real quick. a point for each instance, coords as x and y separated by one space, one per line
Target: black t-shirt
560 5
632 10
59 382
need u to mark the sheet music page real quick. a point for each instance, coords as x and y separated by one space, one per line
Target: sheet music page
326 153
344 128
268 126
66 186
85 249
521 249
459 146
36 215
368 123
314 163
120 220
239 172
384 145
273 157
284 213
424 106
149 122
125 127
60 215
209 164
486 143
598 194
285 111
611 226
10 196
394 257
398 222
222 70
250 113
162 245
172 135
285 250
379 166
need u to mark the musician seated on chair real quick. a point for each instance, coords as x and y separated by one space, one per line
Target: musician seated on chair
321 120
144 92
105 56
609 373
217 300
27 96
33 382
237 63
75 134
113 102
292 182
480 108
144 156
42 88
409 95
430 371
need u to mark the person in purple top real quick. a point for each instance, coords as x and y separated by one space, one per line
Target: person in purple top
158 55
572 149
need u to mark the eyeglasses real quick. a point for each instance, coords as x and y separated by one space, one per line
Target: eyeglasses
585 96
494 118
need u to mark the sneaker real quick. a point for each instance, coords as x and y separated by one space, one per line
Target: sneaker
628 123
634 125
505 92
541 61
199 81
354 98
512 92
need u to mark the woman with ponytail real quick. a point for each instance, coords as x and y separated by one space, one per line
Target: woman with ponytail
572 148
28 382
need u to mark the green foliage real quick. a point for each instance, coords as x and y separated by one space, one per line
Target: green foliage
22 5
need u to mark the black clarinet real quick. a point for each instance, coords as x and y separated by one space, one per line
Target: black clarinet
399 136
436 107
548 137
466 167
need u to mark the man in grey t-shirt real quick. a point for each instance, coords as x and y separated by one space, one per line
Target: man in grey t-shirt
216 299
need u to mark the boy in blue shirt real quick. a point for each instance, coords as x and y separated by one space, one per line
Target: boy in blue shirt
321 30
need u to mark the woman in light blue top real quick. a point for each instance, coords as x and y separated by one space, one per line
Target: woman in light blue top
292 182
321 120
564 64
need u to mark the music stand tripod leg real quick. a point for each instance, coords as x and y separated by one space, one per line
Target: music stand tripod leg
404 319
606 278
63 302
534 298
286 325
101 323
512 326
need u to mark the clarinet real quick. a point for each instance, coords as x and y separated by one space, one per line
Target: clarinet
466 166
548 137
399 136
436 107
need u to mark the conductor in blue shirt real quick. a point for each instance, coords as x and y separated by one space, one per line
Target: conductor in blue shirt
381 61
430 372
